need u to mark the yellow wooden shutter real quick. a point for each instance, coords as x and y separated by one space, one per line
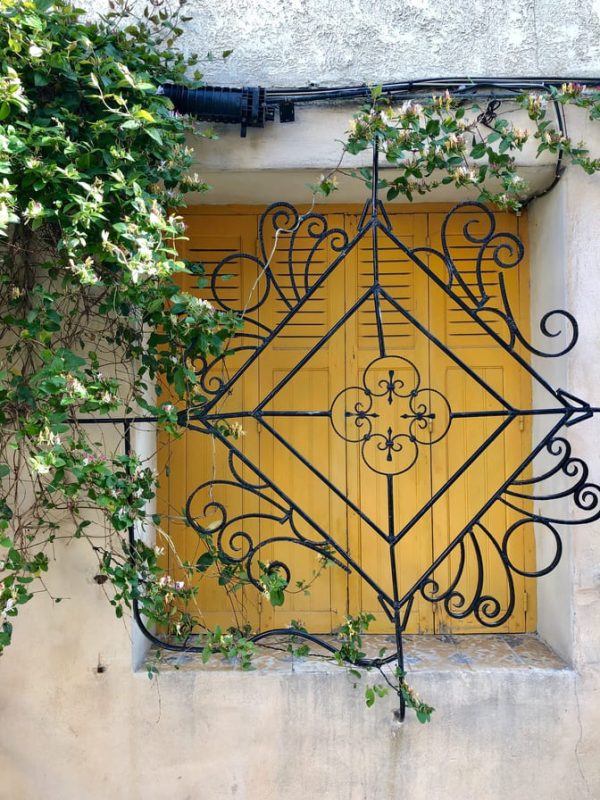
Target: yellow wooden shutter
475 348
338 364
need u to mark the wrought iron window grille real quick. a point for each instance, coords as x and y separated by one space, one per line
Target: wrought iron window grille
356 414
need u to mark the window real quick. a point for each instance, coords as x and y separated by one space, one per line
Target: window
322 385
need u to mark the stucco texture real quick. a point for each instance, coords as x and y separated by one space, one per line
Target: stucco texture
298 42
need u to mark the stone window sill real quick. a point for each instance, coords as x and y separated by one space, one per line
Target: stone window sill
443 653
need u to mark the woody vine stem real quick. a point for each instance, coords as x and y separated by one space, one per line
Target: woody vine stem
94 324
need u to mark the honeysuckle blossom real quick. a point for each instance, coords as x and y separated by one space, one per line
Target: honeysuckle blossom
535 103
84 271
520 136
409 109
236 430
40 465
465 175
33 210
75 388
454 142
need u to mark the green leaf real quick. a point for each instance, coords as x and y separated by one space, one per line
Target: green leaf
179 381
154 133
276 597
144 115
205 561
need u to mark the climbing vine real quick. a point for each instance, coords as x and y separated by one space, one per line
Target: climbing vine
91 314
448 140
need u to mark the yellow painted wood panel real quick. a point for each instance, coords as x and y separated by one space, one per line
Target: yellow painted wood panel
195 458
303 455
329 468
494 368
406 284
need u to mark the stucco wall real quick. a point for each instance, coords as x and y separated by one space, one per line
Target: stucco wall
297 42
71 730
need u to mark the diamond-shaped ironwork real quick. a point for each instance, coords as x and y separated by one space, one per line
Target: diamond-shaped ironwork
389 418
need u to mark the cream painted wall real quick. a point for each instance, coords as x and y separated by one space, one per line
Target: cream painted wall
71 731
282 160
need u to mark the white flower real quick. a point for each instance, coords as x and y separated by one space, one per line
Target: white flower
409 109
84 271
35 51
520 135
204 305
6 215
34 210
454 142
76 388
39 465
236 430
465 175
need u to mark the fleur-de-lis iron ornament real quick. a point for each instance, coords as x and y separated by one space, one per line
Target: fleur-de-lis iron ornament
399 442
390 418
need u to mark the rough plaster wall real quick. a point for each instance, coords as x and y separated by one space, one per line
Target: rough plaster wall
583 293
296 42
547 257
71 732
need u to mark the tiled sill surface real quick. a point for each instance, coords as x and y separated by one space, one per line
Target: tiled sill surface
421 653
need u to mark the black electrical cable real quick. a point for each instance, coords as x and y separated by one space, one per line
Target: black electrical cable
456 85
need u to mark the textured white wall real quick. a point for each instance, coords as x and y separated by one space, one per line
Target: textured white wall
296 42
